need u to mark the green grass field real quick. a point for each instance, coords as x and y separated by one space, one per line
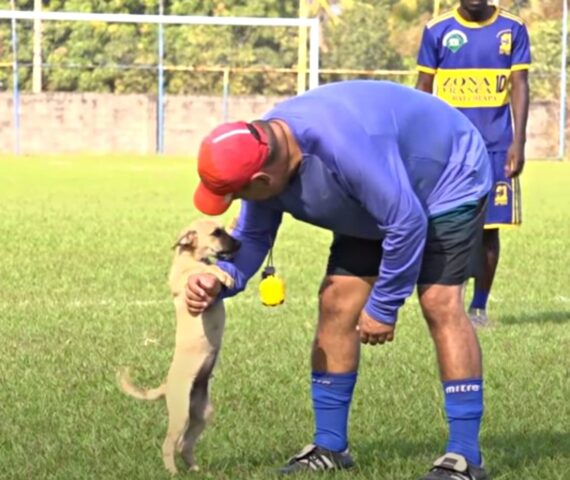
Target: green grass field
85 252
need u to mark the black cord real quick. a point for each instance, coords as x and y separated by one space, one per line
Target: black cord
269 268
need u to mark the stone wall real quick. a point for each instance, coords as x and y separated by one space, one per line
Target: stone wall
105 123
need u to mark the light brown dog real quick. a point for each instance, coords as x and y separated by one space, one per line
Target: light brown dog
198 341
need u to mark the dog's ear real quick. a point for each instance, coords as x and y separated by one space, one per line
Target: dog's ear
188 240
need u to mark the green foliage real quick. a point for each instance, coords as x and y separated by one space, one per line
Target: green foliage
545 39
361 40
121 58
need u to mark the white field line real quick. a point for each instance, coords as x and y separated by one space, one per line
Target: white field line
103 302
111 302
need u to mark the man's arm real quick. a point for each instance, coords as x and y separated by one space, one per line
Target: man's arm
256 229
427 62
519 104
376 177
519 100
404 225
425 82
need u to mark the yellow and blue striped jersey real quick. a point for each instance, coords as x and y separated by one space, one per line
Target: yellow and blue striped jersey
472 63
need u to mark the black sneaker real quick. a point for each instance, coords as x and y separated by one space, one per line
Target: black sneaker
454 467
316 459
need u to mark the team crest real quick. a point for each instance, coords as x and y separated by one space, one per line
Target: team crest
454 40
502 194
506 42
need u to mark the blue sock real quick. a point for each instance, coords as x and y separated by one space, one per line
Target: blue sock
464 409
480 298
332 394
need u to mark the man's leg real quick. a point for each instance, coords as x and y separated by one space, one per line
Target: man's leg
457 347
335 356
459 359
452 239
352 269
503 209
484 279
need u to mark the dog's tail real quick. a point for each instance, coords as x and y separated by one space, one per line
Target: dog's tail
129 388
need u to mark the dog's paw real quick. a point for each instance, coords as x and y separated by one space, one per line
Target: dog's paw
172 470
225 278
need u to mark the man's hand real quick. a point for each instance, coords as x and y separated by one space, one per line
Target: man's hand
374 332
515 160
201 291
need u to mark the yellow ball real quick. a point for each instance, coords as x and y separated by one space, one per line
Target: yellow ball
272 290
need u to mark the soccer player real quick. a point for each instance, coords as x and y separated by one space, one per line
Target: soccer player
401 180
479 55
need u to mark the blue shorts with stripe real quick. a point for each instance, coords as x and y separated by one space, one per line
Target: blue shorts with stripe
504 205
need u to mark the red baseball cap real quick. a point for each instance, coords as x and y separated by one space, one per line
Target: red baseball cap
229 156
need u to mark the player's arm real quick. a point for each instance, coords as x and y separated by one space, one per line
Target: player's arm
256 229
520 94
389 198
519 104
427 62
425 82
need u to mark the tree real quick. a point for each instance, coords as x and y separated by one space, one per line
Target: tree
361 39
368 35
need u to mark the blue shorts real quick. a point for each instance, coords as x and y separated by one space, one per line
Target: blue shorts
504 205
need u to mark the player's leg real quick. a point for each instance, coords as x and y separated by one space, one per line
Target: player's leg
484 280
503 210
489 256
449 246
352 269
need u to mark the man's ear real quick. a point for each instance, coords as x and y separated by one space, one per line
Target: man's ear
189 239
261 178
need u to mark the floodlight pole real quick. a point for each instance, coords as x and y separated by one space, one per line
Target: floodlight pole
435 8
314 37
302 50
15 83
160 86
225 94
563 79
37 58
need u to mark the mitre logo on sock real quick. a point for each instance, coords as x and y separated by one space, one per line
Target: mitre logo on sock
463 388
321 381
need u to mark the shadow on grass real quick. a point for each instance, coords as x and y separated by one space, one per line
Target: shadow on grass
507 453
554 316
509 449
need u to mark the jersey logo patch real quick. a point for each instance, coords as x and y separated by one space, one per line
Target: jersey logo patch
506 42
502 194
454 40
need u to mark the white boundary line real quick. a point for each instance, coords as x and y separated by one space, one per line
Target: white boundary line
111 302
85 304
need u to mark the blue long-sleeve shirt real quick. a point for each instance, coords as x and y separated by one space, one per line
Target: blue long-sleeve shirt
379 159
